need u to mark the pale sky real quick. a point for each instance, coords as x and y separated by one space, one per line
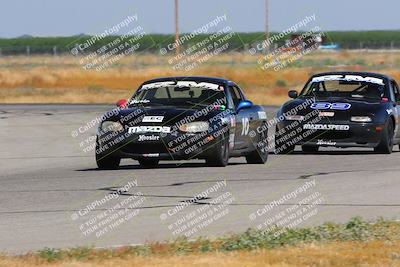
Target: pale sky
71 17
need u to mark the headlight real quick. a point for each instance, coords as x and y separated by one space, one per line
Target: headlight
111 126
294 117
361 119
195 127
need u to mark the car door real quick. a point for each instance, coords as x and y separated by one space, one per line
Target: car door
396 99
242 119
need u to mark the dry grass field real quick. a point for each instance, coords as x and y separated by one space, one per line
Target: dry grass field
48 79
349 254
355 243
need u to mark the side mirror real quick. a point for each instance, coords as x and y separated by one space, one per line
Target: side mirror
244 104
122 104
293 94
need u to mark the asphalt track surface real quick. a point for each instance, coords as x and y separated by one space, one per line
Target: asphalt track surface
47 180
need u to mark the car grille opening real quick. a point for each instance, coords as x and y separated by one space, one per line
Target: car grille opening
145 148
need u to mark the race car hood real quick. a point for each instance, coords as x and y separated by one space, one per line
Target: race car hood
356 107
166 115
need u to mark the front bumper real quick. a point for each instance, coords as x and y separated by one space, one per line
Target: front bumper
346 134
177 146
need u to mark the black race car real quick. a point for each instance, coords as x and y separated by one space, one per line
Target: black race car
183 118
341 109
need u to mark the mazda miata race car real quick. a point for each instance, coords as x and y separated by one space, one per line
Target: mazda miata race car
183 118
341 109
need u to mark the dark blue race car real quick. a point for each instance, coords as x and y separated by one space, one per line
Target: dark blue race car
183 118
341 109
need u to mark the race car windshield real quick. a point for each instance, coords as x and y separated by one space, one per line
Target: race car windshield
344 88
178 96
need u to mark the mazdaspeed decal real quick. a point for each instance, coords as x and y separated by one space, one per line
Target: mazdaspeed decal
327 127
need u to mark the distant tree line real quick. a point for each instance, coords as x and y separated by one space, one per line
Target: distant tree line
154 43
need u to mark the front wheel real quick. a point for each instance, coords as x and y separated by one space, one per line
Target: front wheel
257 156
282 146
386 144
309 149
107 162
148 163
219 153
260 153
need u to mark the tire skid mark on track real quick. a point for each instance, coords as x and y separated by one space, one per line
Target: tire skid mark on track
205 203
309 176
51 157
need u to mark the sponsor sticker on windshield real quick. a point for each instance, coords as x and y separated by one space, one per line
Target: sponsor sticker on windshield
205 85
353 78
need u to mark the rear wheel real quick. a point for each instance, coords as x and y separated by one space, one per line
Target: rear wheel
309 148
148 163
219 153
281 146
386 144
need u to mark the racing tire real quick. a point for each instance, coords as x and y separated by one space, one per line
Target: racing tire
309 149
259 155
148 163
282 148
107 162
386 144
219 153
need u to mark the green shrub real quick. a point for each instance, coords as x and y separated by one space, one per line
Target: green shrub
355 229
